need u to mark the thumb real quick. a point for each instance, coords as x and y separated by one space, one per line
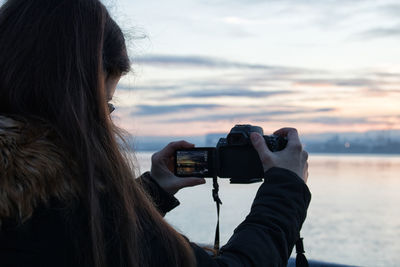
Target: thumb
188 182
259 144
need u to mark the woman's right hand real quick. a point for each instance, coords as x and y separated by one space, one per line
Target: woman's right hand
292 157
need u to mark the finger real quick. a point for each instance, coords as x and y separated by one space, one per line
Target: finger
260 146
173 146
293 137
171 163
189 182
283 131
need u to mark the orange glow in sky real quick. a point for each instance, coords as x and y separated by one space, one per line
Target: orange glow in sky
318 66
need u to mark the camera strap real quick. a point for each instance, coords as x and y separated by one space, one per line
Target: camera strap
218 203
301 260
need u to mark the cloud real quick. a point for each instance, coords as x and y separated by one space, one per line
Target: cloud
342 120
234 116
391 10
147 87
292 2
249 87
194 61
324 110
241 21
243 86
353 82
231 92
261 115
325 120
382 32
206 62
333 120
146 110
387 74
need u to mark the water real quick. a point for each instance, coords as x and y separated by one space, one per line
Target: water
354 215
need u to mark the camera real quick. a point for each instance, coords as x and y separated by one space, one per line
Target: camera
234 157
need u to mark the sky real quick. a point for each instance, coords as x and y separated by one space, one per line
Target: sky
201 66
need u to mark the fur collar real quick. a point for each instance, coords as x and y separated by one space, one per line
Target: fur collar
33 168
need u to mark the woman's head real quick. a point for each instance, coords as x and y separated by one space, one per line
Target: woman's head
56 58
115 58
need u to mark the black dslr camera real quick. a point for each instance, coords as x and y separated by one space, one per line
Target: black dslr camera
234 157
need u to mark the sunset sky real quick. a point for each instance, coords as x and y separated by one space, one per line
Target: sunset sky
202 66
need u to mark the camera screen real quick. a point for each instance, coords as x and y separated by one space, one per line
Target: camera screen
193 162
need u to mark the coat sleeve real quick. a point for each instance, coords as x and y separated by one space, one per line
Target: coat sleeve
164 201
268 234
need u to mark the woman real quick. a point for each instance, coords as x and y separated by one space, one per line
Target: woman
67 193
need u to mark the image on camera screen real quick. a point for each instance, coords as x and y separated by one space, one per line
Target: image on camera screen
192 163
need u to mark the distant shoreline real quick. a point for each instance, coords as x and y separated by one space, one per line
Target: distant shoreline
371 142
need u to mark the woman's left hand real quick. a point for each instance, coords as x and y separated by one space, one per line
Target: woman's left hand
162 169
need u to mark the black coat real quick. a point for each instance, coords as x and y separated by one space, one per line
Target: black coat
43 237
265 238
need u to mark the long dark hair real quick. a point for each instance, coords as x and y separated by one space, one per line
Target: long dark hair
54 58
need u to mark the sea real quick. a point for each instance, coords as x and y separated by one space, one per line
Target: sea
353 218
